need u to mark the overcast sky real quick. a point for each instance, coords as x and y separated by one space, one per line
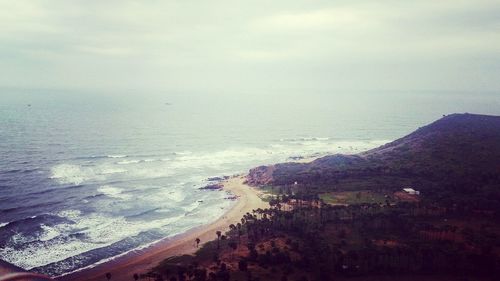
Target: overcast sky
258 45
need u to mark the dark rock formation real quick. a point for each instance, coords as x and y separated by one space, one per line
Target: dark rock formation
215 186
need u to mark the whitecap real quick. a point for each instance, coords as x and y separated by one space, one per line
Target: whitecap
80 174
117 156
125 162
69 214
186 152
99 230
68 173
114 192
48 233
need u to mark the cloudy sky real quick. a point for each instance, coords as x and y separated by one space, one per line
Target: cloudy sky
257 45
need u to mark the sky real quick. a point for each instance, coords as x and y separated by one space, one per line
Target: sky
237 46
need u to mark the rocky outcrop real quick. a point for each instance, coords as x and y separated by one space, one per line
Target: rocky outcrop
217 179
261 175
215 186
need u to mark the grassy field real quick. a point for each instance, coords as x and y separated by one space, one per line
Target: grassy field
352 197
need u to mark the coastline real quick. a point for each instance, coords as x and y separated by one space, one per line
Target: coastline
141 261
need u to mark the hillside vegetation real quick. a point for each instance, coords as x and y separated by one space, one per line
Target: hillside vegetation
457 156
347 218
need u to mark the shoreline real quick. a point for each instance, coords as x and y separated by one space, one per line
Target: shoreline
141 261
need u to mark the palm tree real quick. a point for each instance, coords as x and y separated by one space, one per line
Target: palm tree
240 232
233 246
232 227
108 276
197 240
218 238
223 237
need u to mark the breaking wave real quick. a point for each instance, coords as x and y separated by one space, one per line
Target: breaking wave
136 200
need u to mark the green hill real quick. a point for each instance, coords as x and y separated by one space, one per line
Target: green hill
455 156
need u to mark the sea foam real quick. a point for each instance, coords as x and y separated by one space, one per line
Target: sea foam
114 192
166 196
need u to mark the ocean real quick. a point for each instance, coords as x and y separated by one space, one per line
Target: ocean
85 177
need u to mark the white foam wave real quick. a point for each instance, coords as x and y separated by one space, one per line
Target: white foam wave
79 174
18 238
99 230
113 192
48 233
68 173
117 156
70 214
304 139
247 157
125 162
206 219
188 167
236 159
2 224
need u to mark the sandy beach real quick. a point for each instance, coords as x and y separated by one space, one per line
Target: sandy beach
122 268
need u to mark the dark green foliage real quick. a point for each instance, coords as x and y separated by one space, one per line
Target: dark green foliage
449 161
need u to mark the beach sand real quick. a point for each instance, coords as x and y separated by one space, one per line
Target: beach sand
141 261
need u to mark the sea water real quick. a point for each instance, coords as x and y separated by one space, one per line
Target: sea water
85 177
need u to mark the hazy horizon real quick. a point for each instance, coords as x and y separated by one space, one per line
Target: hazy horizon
237 48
